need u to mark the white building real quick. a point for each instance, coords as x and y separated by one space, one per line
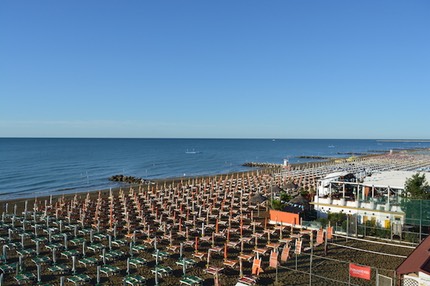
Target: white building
376 198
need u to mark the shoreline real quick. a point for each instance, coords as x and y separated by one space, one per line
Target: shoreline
275 168
271 168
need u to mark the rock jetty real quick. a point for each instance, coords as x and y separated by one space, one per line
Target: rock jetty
127 179
261 165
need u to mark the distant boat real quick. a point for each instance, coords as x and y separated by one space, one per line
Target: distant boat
330 146
192 152
273 140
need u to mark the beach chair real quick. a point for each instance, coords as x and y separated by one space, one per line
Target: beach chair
8 268
59 269
199 255
137 261
285 253
190 280
88 261
24 278
247 280
230 263
256 267
109 270
135 280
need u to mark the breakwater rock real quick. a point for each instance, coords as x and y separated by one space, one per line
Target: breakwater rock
261 165
314 157
127 179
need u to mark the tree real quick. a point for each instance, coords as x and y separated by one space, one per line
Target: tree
416 202
417 187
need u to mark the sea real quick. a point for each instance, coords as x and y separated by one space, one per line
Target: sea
34 167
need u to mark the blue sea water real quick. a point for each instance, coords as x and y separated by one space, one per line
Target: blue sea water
32 167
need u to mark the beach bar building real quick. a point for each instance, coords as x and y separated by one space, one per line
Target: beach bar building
376 197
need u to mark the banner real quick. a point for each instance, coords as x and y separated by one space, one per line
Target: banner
359 271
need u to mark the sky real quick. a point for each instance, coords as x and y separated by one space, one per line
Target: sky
215 69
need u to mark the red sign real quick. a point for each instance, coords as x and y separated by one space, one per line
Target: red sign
359 271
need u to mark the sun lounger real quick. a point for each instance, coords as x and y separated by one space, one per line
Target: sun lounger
78 240
25 278
199 255
41 260
230 263
137 261
188 262
88 261
79 279
162 270
8 268
138 248
119 242
134 280
213 270
191 280
247 280
95 247
26 252
70 253
59 269
109 270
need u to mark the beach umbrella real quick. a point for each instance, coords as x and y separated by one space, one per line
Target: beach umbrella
180 250
104 255
196 246
5 247
65 240
22 239
38 272
131 249
208 258
1 279
184 267
20 262
213 239
110 241
37 247
98 274
225 251
128 265
54 256
74 264
240 268
84 244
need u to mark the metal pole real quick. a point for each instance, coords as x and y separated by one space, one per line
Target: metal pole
310 265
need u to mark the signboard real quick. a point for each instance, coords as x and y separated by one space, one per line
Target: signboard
358 271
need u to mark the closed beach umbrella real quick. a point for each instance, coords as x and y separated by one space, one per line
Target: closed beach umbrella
54 256
98 273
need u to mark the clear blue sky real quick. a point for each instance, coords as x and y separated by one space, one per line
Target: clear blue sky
239 69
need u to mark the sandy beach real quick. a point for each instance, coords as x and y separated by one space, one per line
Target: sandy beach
214 226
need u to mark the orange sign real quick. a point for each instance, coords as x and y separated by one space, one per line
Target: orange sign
359 271
284 217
